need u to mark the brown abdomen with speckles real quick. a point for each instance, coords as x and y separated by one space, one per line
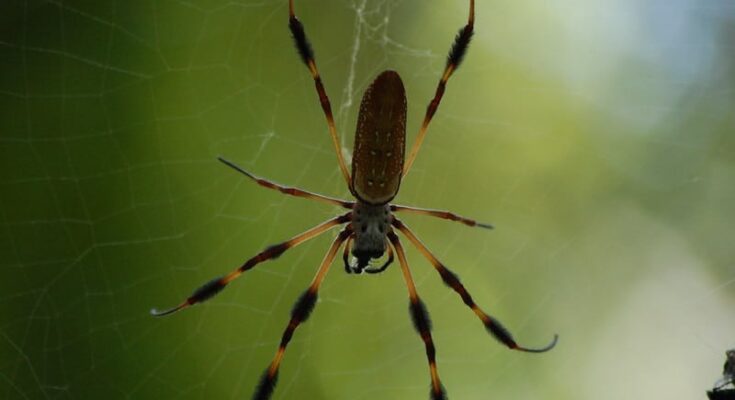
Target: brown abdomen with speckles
380 140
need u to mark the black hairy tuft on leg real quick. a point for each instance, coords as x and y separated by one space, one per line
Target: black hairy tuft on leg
207 291
299 37
441 395
276 250
449 278
266 386
499 332
304 305
420 316
452 280
459 48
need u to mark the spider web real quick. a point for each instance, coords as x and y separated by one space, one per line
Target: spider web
597 137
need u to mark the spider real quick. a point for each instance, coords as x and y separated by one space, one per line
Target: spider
728 372
370 224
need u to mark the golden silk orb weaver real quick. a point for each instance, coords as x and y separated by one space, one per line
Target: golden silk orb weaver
369 227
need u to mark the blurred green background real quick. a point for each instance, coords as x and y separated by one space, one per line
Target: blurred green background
598 136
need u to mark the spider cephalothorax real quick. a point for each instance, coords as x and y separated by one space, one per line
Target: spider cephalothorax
370 226
369 241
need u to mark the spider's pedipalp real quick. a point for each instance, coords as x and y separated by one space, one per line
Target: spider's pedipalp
346 255
385 265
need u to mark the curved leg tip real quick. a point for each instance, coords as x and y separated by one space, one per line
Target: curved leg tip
224 160
162 313
486 226
542 349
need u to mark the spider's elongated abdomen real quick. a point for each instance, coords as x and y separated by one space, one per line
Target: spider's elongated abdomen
380 140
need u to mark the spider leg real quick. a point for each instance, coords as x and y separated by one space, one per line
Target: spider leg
441 214
721 383
300 313
383 267
288 190
456 54
213 287
420 318
307 56
493 326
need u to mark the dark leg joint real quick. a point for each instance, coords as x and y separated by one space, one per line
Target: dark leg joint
323 99
430 350
266 386
275 251
459 48
288 334
452 280
304 305
207 291
499 332
420 317
440 395
302 43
